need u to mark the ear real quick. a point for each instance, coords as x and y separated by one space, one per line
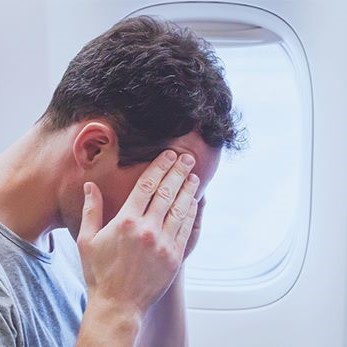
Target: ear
94 141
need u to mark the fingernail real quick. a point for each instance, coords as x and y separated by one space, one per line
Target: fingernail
193 178
171 155
187 159
87 188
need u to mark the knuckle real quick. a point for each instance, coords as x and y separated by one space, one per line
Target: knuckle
88 210
180 170
148 238
177 213
80 241
163 166
165 193
169 258
193 210
83 244
192 213
147 185
174 263
185 232
164 252
128 224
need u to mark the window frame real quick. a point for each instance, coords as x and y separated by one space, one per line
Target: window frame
277 282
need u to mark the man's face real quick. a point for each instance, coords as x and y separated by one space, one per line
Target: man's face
116 191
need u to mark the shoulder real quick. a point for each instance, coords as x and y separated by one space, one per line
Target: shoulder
10 323
5 286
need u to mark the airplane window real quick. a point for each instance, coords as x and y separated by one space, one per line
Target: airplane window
257 219
253 198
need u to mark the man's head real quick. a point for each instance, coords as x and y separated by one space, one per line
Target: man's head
152 81
138 89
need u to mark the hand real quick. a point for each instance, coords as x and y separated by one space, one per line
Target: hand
133 260
195 234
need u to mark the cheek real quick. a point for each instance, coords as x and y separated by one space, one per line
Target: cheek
200 192
112 204
116 194
205 176
109 213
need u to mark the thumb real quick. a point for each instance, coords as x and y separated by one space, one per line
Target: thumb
92 213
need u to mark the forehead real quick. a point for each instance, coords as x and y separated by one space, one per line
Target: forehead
206 157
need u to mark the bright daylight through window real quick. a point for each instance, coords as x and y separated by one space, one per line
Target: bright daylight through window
252 201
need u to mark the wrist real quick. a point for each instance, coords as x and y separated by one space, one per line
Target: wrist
177 286
107 320
165 321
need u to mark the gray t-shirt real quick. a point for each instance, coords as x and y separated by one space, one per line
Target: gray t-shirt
42 295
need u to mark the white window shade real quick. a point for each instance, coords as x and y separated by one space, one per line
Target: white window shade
230 33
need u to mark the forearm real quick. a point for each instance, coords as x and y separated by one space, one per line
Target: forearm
165 322
106 323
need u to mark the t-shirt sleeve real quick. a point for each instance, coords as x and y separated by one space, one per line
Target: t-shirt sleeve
10 325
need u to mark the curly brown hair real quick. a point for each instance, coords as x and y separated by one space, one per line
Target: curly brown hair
153 81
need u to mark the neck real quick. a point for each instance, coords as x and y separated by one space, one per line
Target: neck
28 188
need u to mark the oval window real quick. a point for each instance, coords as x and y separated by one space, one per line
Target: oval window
256 224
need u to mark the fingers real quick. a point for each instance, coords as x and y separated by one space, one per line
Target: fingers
186 228
164 197
92 212
169 188
148 183
195 233
201 207
180 208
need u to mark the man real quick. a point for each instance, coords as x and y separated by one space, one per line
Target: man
121 158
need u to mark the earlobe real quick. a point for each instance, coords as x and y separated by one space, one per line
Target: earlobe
92 142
